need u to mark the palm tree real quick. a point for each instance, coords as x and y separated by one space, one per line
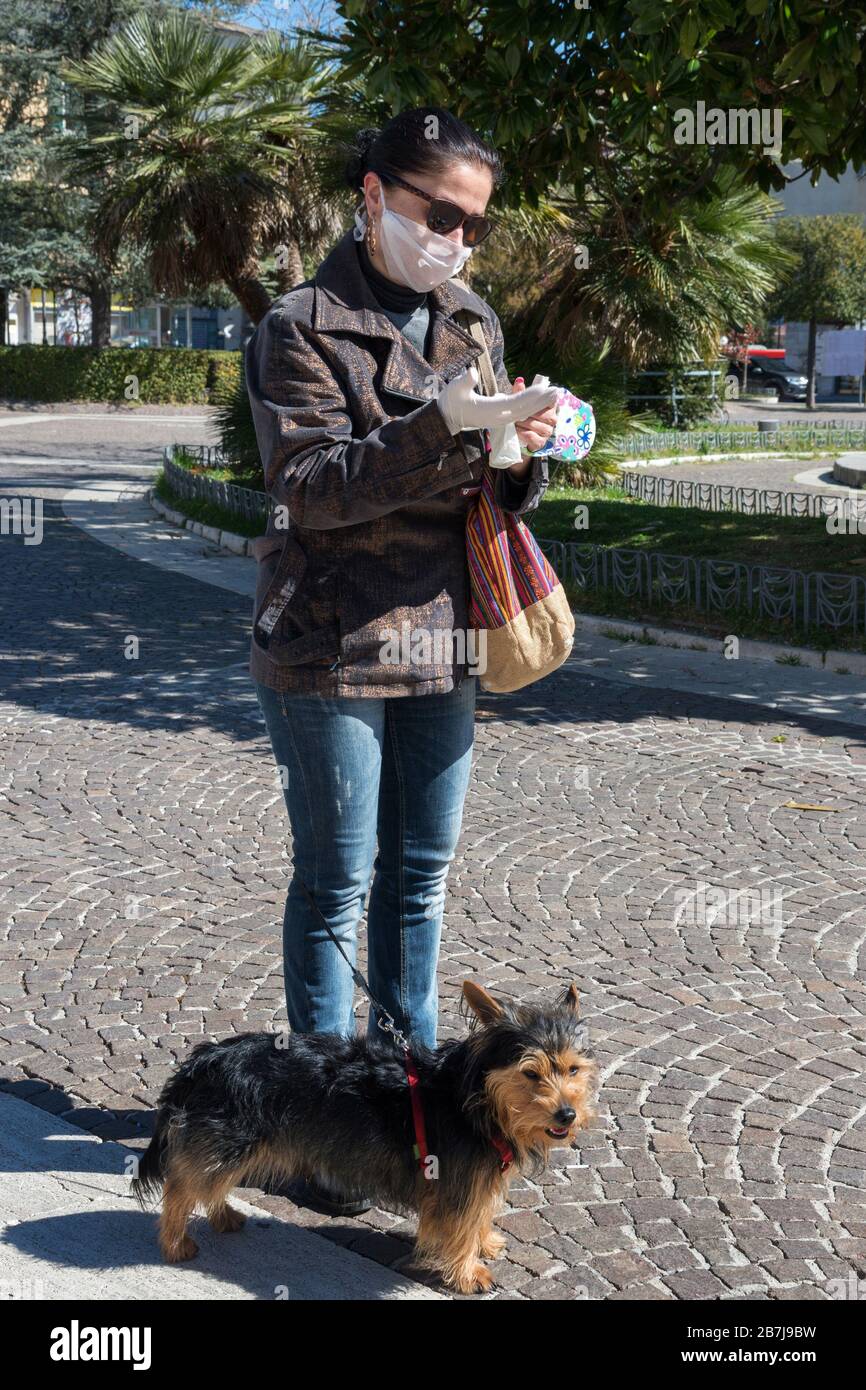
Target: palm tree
659 281
203 153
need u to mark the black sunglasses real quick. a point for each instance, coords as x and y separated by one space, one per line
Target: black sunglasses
444 217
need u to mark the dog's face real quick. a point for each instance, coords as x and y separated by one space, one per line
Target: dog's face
542 1078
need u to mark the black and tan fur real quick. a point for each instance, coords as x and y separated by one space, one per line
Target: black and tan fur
265 1107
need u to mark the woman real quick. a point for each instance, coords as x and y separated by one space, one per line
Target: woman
370 432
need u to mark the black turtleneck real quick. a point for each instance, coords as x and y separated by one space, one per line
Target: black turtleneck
401 298
407 309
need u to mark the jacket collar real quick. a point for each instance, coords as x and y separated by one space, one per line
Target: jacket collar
344 303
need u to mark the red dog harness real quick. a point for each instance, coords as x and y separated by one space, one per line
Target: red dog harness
500 1144
506 1157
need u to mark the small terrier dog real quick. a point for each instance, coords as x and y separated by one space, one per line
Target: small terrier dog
262 1107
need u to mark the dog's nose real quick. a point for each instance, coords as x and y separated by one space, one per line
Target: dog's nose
564 1115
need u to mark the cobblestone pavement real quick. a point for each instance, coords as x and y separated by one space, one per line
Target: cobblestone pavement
143 865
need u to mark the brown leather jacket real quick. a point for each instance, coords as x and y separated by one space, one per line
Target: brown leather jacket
372 488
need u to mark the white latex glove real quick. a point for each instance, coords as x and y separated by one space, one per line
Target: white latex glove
505 446
464 409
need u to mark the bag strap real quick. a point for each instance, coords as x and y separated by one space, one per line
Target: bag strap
483 361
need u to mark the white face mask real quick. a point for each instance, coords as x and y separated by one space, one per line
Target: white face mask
413 254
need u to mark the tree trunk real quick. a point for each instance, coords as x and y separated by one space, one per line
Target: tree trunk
811 354
250 294
293 272
100 311
4 313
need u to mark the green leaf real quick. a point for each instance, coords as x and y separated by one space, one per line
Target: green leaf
816 136
829 79
649 24
512 59
689 35
798 59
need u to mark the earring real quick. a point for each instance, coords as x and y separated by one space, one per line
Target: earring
371 235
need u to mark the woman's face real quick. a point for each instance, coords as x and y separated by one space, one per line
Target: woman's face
467 185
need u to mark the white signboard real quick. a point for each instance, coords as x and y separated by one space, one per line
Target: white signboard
841 352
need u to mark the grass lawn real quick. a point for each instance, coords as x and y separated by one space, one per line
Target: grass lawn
696 622
614 519
208 513
253 479
618 520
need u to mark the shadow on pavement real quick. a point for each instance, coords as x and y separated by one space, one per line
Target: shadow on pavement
70 607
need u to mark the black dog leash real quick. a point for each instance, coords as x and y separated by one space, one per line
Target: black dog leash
384 1020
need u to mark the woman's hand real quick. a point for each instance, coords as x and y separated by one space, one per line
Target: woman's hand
532 432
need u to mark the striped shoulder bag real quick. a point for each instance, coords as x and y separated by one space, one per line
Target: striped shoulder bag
518 607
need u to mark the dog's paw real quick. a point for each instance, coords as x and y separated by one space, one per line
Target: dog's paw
492 1245
227 1220
477 1280
184 1249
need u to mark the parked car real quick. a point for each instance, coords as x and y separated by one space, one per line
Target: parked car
790 384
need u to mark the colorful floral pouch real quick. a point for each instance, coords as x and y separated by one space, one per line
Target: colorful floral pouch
574 432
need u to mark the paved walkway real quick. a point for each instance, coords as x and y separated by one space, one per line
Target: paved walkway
69 1229
144 867
787 474
118 514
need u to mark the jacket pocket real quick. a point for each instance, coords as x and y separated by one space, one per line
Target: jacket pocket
295 620
281 567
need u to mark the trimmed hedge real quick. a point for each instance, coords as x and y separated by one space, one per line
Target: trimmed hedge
179 376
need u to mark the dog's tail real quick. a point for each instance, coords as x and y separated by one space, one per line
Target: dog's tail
152 1165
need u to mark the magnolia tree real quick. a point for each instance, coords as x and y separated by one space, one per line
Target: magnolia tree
640 141
557 84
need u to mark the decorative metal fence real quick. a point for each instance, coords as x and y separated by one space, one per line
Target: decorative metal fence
727 440
724 497
245 501
834 601
678 396
205 455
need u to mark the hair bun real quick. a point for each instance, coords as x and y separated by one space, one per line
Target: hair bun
357 164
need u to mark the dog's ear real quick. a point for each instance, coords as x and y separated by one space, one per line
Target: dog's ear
482 1004
571 1001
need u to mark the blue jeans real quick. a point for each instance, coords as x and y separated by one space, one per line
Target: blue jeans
355 770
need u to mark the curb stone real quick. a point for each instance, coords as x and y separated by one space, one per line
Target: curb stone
749 649
226 540
106 1125
664 461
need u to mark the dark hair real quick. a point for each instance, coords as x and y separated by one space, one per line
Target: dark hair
405 146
